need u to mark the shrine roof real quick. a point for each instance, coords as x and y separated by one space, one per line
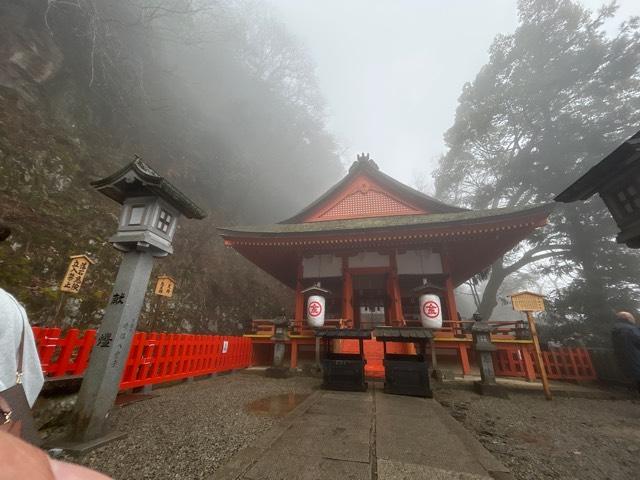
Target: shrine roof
603 172
365 165
467 217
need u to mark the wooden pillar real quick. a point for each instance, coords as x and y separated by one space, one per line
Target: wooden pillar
294 354
395 293
464 359
452 308
347 290
299 308
529 371
389 309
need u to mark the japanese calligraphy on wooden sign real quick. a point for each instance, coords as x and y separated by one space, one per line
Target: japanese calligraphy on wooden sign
527 302
165 286
75 273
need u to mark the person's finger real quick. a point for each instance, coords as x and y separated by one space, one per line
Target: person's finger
69 471
19 460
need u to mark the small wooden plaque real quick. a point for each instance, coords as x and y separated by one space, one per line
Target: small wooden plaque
165 286
75 273
527 302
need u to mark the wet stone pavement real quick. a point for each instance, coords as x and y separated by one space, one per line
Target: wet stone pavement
368 435
276 405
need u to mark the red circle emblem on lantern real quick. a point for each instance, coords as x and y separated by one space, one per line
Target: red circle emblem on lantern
431 309
314 309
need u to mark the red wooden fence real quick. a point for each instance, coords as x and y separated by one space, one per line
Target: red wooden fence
560 363
154 357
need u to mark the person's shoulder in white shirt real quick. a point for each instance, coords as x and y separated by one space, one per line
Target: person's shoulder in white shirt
13 320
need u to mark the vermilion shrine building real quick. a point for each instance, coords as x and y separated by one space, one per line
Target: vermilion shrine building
371 241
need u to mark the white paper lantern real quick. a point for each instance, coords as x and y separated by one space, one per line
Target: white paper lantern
315 311
430 311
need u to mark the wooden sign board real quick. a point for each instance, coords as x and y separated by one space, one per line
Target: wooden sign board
527 302
75 273
165 286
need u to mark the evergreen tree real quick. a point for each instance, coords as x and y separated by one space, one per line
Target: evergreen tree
555 97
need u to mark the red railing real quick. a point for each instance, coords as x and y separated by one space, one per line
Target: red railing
266 328
502 330
153 358
560 363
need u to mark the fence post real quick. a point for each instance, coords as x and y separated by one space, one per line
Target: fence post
529 370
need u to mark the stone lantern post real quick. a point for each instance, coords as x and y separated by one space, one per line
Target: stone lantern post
279 338
484 347
151 207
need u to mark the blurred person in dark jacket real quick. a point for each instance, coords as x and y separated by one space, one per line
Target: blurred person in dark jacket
625 337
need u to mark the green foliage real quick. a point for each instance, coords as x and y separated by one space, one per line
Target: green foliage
555 97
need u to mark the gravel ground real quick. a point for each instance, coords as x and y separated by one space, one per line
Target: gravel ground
189 430
561 439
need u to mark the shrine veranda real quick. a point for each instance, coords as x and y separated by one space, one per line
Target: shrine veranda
371 241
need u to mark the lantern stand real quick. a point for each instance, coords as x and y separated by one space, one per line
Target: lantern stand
279 338
151 207
484 347
426 288
316 291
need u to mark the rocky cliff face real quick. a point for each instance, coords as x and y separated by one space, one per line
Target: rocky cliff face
53 142
28 55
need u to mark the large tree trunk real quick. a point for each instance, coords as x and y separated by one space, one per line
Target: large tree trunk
490 294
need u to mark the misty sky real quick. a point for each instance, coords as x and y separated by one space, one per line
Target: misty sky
391 71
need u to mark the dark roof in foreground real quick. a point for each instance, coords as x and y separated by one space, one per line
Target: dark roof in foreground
358 224
117 187
609 167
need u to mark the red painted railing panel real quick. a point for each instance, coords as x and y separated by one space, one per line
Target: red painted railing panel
559 363
153 358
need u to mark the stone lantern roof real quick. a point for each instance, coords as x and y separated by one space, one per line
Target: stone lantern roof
138 179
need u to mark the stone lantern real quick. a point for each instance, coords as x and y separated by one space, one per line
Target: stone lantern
147 223
151 207
484 347
280 337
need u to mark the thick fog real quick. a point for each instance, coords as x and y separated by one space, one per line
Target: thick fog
257 107
392 71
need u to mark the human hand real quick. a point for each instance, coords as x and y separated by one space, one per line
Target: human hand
21 460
